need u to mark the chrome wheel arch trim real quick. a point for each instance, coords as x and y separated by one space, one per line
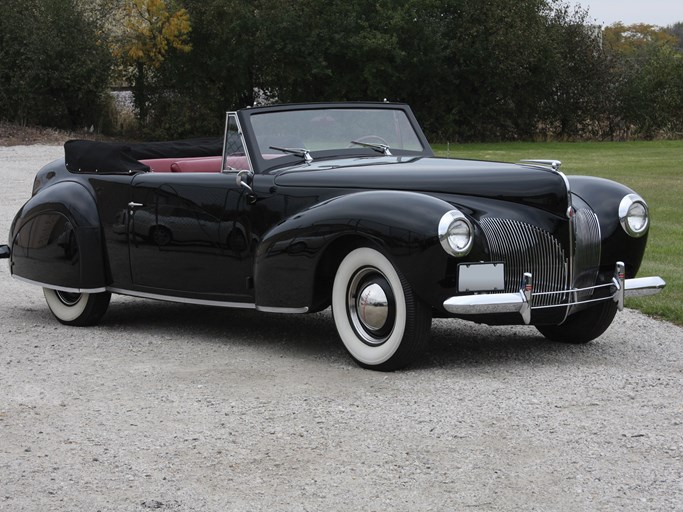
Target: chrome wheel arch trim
60 288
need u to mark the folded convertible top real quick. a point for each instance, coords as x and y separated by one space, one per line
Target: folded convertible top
86 156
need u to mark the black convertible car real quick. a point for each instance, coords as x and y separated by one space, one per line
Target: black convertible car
300 207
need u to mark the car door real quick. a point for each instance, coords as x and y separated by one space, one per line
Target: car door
188 236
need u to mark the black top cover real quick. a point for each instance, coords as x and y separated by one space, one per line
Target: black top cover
86 156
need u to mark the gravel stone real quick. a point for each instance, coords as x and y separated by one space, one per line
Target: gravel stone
186 408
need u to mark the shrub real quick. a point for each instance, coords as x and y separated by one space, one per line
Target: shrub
53 69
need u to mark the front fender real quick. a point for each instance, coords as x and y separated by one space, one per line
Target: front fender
604 196
307 246
56 239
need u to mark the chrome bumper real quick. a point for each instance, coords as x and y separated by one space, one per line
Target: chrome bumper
520 302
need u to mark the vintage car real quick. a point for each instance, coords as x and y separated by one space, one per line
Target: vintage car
302 207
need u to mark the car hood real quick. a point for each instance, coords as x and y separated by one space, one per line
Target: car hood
526 184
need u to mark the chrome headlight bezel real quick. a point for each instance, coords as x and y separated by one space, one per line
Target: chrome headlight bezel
456 233
634 215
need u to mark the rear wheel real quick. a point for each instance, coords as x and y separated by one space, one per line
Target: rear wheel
381 323
78 309
583 326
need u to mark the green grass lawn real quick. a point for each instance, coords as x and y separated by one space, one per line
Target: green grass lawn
654 169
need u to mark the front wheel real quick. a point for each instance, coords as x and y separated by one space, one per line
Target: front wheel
78 309
381 323
583 326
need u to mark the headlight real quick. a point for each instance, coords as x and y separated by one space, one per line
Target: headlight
633 215
455 233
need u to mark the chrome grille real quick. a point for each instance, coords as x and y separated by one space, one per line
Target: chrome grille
526 248
586 250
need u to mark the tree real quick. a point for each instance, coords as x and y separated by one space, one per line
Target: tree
54 67
151 28
647 70
676 30
630 39
471 69
195 89
576 100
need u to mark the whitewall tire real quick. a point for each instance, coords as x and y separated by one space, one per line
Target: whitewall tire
381 323
79 309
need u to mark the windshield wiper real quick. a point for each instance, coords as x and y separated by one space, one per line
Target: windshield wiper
302 152
380 148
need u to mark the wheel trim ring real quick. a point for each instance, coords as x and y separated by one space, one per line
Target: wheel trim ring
364 279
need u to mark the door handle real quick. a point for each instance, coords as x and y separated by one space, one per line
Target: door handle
133 205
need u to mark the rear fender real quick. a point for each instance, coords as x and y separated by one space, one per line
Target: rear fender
56 239
402 225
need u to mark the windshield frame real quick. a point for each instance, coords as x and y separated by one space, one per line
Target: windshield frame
262 165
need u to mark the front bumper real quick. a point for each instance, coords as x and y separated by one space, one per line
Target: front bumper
520 302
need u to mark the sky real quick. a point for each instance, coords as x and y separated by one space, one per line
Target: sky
653 12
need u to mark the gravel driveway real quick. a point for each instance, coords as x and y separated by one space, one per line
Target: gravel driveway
184 408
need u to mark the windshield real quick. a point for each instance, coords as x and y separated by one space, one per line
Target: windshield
304 132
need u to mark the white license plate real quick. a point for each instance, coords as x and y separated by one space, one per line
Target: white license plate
481 277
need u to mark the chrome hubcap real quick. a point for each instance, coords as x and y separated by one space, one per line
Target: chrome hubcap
67 298
371 306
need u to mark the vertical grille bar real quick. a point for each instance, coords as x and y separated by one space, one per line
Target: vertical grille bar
587 250
527 248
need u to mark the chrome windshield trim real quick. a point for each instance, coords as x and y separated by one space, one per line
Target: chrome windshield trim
241 136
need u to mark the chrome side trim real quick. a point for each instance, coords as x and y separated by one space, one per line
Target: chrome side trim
184 300
168 298
60 288
204 302
269 309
